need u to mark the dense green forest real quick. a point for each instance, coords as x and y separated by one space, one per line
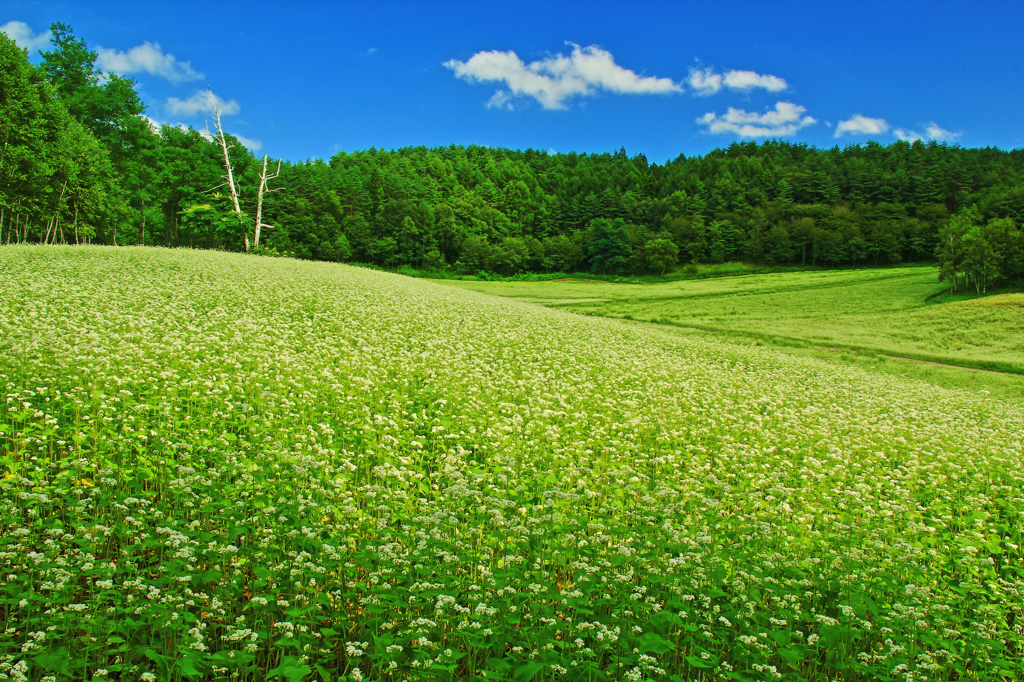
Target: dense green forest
79 163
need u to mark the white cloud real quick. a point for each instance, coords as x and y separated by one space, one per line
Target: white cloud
932 132
748 80
501 99
909 135
20 33
149 58
705 81
251 144
555 80
861 125
200 103
936 133
785 119
154 124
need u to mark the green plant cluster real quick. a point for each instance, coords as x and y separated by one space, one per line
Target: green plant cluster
226 467
982 253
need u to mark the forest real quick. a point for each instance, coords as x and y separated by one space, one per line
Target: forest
81 164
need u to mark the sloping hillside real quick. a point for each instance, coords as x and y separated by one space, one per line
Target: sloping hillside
219 464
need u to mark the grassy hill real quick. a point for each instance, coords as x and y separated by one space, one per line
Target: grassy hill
216 464
898 311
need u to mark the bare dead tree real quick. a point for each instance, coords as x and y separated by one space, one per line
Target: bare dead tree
233 188
230 175
259 198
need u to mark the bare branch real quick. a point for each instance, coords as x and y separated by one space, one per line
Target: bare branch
213 188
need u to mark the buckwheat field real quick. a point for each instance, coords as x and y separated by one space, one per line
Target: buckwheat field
219 467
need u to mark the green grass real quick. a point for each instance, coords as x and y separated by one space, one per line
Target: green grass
896 311
613 293
692 271
226 467
1005 386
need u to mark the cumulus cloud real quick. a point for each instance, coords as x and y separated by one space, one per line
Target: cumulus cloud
909 135
500 99
704 81
861 125
932 132
748 80
555 80
20 33
785 119
147 58
250 143
200 103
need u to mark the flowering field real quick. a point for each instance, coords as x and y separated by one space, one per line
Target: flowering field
224 467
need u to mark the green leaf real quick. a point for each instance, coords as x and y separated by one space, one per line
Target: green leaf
159 659
791 656
499 665
654 643
187 666
698 662
210 576
289 670
527 670
58 661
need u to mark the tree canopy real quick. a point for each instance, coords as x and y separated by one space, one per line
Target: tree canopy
76 144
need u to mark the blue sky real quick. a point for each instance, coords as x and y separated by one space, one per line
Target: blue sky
307 79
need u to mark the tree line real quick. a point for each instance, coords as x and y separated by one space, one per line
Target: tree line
80 163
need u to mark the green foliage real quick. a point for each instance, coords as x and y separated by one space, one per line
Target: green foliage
983 253
661 254
222 466
608 247
57 183
213 223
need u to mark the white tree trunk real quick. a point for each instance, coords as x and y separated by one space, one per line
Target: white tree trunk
259 199
231 177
